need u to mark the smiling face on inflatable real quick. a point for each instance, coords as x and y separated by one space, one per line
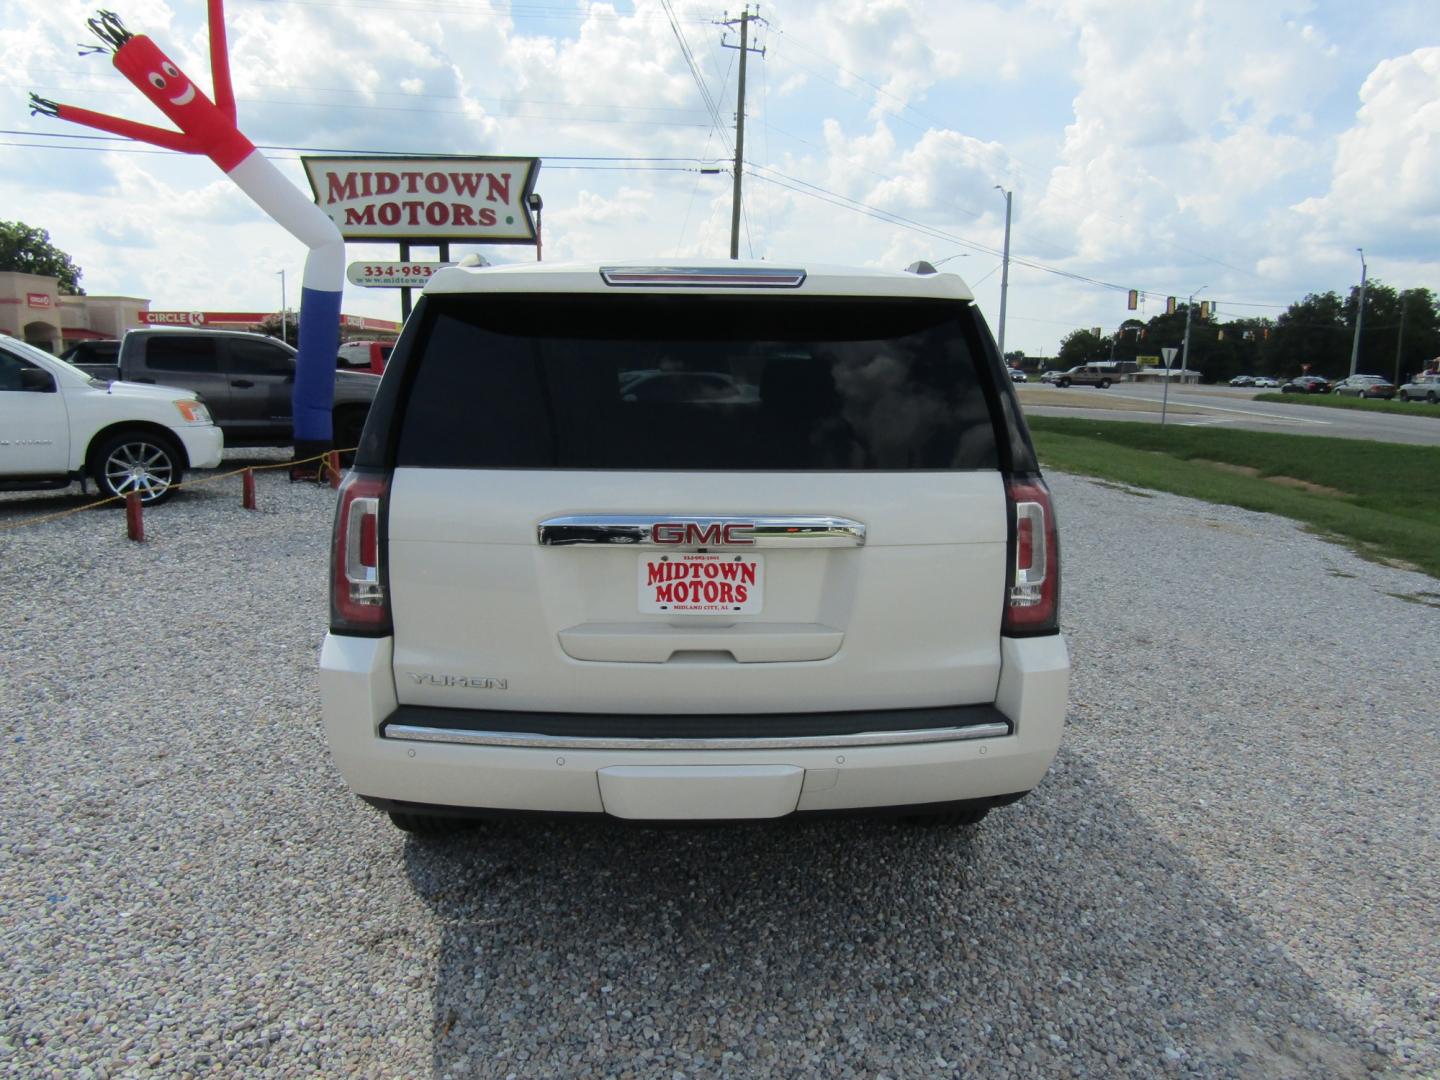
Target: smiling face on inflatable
175 94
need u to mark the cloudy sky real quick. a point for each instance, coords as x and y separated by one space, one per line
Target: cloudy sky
1246 146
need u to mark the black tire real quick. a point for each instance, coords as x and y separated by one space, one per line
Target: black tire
1404 396
138 460
1062 383
429 825
346 425
1104 384
950 819
1430 397
1287 389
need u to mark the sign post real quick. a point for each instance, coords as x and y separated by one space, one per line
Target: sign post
1169 354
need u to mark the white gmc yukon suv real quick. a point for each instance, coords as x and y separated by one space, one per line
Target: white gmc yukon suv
702 542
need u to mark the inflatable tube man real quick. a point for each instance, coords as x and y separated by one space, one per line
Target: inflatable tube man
209 127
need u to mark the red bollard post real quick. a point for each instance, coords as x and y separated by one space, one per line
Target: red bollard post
134 523
332 459
247 498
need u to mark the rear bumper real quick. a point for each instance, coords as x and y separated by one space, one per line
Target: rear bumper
989 752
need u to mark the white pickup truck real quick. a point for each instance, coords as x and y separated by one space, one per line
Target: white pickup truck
57 425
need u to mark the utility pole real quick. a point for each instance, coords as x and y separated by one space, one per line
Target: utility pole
1185 346
282 307
745 49
1005 273
1359 315
1400 339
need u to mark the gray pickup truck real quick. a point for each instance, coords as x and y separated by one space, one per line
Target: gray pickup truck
245 380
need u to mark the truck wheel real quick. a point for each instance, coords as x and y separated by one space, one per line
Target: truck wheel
1430 396
138 461
429 825
347 424
1062 383
1104 384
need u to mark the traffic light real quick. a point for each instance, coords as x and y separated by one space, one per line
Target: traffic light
1134 299
1169 305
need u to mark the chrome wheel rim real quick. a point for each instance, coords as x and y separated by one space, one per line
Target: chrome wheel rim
140 466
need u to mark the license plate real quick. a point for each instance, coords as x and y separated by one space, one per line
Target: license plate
702 583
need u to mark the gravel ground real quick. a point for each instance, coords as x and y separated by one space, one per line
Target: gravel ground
1231 870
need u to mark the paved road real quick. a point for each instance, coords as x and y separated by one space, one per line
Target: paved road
1224 406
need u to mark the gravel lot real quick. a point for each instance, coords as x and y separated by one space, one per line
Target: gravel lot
1231 870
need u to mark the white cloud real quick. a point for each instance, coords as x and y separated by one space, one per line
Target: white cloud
1386 179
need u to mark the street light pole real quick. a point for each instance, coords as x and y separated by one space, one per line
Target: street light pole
1005 269
1359 315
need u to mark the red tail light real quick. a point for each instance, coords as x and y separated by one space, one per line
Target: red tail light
1032 587
358 600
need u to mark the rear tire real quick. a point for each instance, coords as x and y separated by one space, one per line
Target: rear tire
429 825
1062 383
137 460
1104 384
950 819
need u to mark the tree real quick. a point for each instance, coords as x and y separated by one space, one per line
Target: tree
1079 346
270 325
25 250
1314 331
1421 338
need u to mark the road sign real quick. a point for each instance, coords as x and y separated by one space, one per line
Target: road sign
393 275
1169 354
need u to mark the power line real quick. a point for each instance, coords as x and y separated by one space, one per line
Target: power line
710 105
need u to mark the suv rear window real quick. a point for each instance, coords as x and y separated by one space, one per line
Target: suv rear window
709 383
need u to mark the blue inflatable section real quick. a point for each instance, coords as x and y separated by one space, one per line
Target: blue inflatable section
315 368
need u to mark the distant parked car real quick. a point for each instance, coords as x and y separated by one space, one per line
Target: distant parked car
1306 384
1422 388
1016 375
1266 381
1365 386
369 356
1243 380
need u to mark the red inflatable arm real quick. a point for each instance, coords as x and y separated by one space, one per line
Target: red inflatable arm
220 61
130 129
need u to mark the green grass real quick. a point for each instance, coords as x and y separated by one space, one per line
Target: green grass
1332 401
1389 501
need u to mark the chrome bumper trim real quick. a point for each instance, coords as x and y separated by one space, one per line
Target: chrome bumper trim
416 733
684 531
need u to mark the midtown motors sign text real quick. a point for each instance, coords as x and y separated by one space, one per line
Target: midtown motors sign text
478 199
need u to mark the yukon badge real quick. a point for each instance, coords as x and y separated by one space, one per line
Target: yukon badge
472 682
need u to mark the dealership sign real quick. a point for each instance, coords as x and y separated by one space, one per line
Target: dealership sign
393 275
427 200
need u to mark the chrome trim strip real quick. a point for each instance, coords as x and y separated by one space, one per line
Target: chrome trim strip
701 277
415 733
639 529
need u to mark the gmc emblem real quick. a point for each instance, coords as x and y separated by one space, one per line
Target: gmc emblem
693 534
